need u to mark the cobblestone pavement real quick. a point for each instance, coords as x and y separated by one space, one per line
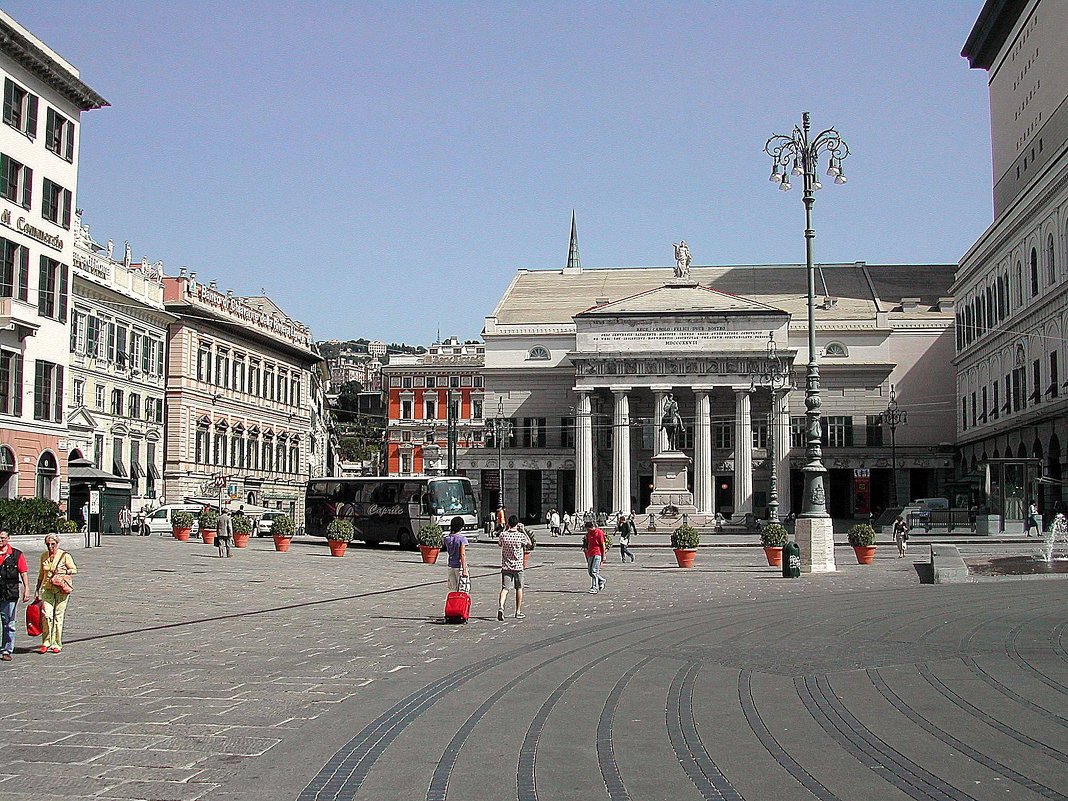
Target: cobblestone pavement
302 676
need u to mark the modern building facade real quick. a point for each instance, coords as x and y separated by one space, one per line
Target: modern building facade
420 389
44 98
583 362
1012 285
117 357
238 411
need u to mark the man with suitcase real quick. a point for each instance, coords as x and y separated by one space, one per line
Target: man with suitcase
458 602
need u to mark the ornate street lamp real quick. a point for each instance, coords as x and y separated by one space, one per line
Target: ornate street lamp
894 417
799 154
501 428
775 375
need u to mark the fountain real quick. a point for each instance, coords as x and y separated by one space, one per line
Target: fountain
1058 532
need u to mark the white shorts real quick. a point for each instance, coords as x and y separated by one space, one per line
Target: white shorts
454 579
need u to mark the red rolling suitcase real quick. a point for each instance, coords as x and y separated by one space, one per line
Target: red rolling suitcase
457 607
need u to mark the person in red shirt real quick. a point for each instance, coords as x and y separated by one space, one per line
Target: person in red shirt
13 572
594 544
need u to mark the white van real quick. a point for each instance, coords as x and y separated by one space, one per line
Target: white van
159 521
929 504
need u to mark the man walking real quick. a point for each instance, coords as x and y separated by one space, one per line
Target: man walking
554 522
12 574
224 535
513 541
594 544
624 528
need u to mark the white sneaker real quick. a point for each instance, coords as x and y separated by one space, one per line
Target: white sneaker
592 591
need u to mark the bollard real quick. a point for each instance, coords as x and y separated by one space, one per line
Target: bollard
791 560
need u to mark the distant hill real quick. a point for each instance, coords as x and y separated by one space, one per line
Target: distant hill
332 348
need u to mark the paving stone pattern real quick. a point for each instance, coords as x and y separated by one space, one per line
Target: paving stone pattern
302 676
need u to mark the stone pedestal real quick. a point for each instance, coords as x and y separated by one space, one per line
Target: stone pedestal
988 525
669 483
815 538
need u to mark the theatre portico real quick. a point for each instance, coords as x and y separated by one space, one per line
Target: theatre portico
583 363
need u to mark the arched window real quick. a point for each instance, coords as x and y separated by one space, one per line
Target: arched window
538 353
9 479
1051 264
835 349
47 477
1034 272
1019 284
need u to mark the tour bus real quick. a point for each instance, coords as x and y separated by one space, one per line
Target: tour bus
388 509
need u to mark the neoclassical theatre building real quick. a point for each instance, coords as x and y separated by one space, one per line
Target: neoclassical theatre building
583 363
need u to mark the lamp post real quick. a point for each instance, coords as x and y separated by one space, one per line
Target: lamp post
775 375
799 154
894 417
501 427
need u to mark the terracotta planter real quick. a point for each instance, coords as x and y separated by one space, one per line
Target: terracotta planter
865 554
774 555
430 555
208 536
181 534
281 544
241 540
337 547
685 556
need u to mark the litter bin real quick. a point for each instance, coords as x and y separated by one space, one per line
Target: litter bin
791 560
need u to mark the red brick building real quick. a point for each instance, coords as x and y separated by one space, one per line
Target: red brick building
418 390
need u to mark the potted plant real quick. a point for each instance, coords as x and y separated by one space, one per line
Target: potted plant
181 524
862 538
282 530
430 539
209 523
773 536
242 530
685 540
338 536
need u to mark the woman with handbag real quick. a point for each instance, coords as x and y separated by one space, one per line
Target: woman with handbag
54 586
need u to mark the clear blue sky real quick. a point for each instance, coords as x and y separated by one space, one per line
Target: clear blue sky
382 169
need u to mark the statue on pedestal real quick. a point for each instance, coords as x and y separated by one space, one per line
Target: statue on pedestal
682 259
671 422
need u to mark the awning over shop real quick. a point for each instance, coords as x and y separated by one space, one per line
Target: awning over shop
153 473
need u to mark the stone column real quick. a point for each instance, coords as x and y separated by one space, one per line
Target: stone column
782 451
704 499
621 452
584 454
660 440
743 454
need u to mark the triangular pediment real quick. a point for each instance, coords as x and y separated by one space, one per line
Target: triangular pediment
81 419
680 299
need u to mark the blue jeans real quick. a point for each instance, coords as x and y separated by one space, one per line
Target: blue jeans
7 617
594 566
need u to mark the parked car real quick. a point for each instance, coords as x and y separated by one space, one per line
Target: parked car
263 528
159 521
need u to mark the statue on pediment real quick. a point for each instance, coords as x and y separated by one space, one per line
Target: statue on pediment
671 422
682 259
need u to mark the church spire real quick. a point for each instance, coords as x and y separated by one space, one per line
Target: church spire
574 263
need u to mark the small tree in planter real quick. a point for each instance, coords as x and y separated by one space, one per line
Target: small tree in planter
430 539
339 534
209 523
282 530
242 530
685 540
773 536
862 538
181 524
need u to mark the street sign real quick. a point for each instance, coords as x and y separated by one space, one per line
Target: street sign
94 502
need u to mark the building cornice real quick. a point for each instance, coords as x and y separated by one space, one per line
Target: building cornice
20 49
991 31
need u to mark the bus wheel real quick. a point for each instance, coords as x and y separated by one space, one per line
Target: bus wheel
407 541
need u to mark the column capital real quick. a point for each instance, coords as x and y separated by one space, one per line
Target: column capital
621 390
742 390
662 387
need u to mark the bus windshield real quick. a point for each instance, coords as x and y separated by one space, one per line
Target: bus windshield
451 497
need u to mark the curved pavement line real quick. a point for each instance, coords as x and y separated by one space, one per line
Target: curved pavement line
977 756
767 739
1012 650
606 751
686 742
869 750
1008 692
439 784
1056 638
962 703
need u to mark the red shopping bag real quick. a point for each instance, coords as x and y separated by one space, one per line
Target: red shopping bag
34 613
